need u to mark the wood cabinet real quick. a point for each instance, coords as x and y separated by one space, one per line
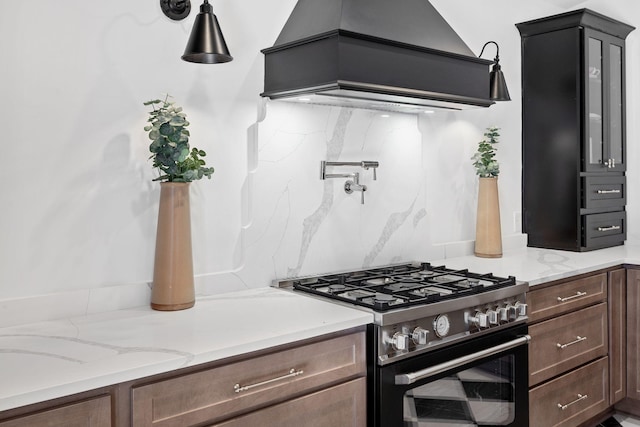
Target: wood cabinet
632 402
317 382
341 405
565 342
566 296
573 131
633 334
574 353
572 398
265 388
89 413
617 296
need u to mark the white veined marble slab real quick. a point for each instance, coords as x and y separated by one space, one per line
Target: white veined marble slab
46 360
538 266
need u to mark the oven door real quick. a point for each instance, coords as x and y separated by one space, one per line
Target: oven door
480 382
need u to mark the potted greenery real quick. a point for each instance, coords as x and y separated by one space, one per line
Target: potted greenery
170 144
488 232
178 165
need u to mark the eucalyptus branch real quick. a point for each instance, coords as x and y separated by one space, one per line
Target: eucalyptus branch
170 149
484 159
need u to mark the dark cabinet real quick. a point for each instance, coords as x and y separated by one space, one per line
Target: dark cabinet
573 131
604 95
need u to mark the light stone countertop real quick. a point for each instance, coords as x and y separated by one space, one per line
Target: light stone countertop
42 361
46 360
538 266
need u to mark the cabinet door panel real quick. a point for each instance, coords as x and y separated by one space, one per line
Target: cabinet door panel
565 342
230 390
594 96
604 229
571 399
617 335
616 105
604 103
567 296
343 405
604 191
633 334
90 413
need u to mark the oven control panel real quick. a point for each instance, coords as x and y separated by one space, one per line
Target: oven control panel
495 314
402 339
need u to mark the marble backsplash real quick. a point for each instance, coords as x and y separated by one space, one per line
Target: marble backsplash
424 196
421 207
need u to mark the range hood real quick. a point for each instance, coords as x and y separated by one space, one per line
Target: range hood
398 55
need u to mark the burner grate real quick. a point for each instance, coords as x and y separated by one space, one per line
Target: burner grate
394 287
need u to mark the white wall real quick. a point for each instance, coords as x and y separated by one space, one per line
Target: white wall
79 208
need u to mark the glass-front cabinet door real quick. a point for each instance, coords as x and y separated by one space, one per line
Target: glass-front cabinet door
616 107
604 144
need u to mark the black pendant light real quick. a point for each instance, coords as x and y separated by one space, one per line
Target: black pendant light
206 44
497 85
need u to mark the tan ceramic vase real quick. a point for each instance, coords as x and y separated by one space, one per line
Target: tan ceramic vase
488 232
173 287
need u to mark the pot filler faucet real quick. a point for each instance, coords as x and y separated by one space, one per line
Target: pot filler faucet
352 184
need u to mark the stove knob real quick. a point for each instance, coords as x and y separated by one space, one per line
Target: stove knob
503 314
419 336
513 312
521 309
400 341
493 316
483 320
480 320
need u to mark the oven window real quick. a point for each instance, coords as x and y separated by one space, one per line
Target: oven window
479 396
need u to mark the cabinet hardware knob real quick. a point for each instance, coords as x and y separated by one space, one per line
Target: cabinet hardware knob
580 397
577 295
576 341
292 373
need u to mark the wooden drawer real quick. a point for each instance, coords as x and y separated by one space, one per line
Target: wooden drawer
90 413
566 296
558 403
604 191
565 342
343 405
605 229
211 396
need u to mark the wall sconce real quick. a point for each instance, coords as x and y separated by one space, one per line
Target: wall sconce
497 84
206 44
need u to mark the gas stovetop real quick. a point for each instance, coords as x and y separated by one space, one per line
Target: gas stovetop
399 286
417 307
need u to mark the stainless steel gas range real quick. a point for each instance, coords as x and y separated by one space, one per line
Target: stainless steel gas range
447 347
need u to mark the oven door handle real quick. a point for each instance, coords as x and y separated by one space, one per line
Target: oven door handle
412 377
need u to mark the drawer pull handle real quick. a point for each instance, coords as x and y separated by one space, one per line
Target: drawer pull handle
613 227
292 373
576 341
608 191
580 397
577 295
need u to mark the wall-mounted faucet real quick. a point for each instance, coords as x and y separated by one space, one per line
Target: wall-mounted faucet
351 185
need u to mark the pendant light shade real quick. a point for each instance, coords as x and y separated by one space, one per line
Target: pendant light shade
206 44
497 84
